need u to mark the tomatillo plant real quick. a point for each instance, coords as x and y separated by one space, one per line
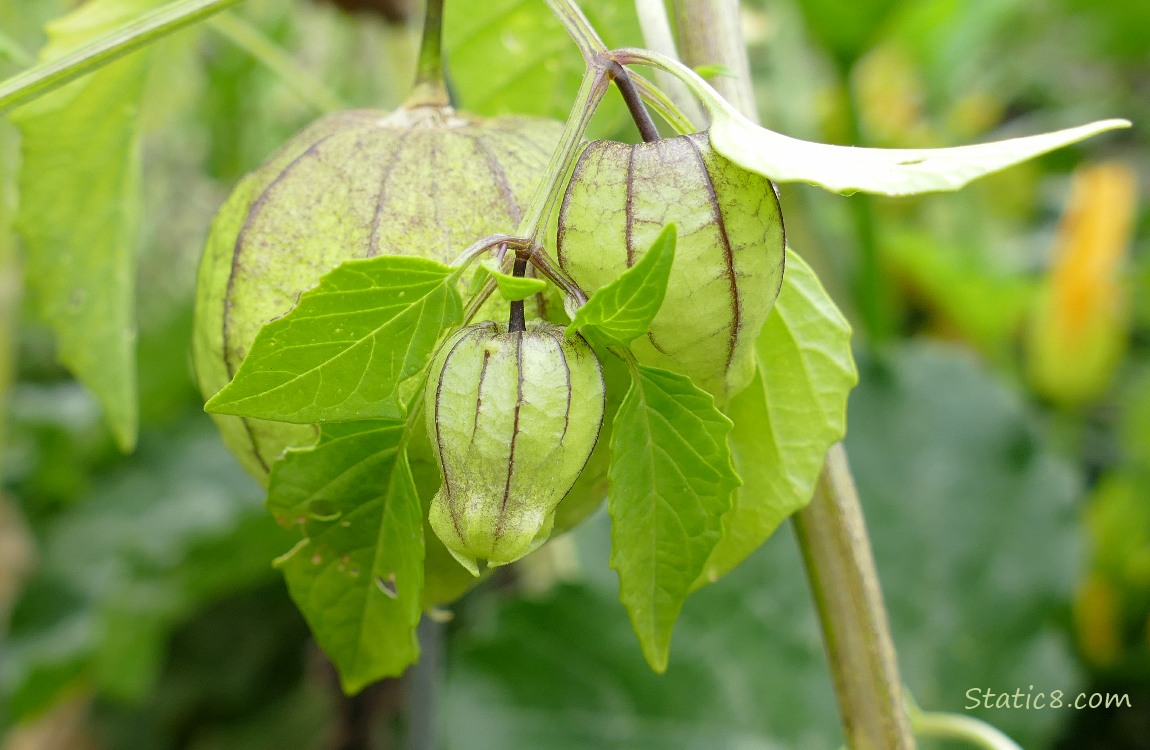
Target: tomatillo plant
368 338
407 321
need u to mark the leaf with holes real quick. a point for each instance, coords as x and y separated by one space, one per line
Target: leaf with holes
344 350
357 575
80 211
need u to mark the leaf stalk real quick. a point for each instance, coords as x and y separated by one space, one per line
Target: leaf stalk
147 28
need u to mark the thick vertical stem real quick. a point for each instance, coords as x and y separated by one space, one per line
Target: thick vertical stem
429 86
710 34
840 567
844 583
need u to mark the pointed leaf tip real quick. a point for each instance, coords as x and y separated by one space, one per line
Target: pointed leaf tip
847 169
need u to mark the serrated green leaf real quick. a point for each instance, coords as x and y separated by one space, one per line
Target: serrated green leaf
346 347
671 480
848 169
623 310
792 412
511 288
79 211
358 574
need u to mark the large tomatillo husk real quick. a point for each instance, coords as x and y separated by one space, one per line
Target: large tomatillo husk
423 180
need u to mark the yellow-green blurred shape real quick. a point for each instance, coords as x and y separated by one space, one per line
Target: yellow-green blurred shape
1098 622
1110 603
1079 326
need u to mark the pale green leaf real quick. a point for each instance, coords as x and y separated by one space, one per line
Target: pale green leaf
847 169
511 288
792 412
358 574
671 481
80 212
346 347
623 310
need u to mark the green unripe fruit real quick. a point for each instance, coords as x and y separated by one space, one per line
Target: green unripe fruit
728 266
513 417
423 180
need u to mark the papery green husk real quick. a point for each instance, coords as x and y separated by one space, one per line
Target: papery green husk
513 417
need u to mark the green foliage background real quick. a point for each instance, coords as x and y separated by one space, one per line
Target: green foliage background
1011 529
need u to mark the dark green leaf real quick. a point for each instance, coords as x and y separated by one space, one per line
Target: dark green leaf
623 310
358 574
792 412
80 211
671 482
342 352
177 525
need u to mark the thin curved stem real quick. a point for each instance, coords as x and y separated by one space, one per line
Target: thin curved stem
557 276
963 728
663 105
140 32
580 29
657 35
594 85
647 128
479 247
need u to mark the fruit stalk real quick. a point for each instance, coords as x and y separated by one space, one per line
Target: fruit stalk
516 322
429 88
830 531
647 128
